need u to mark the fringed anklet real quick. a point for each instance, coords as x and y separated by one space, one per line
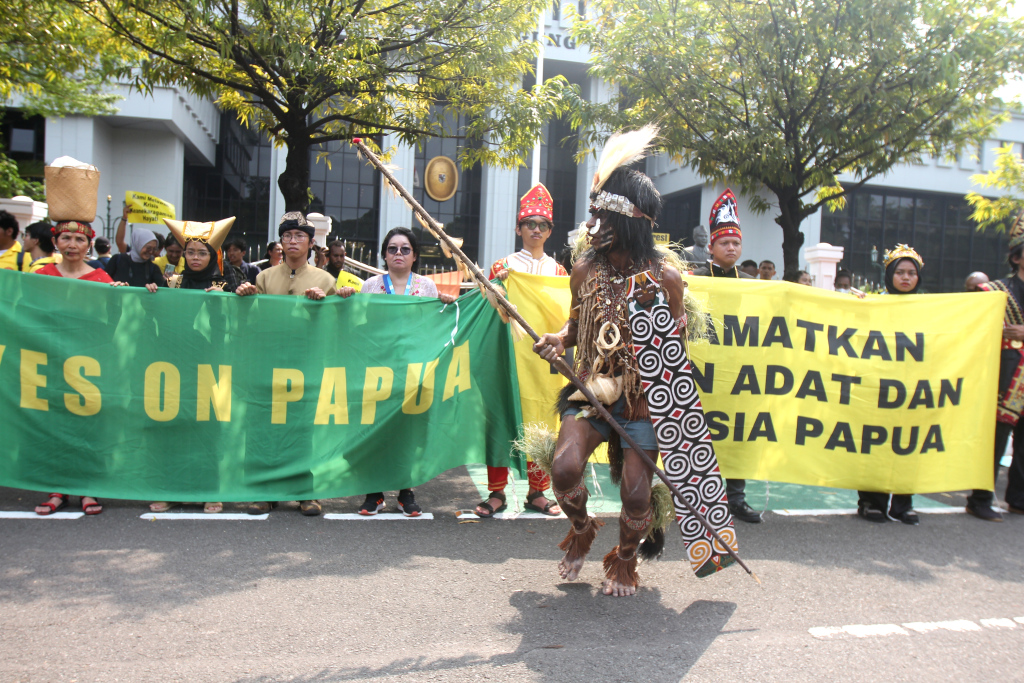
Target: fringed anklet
577 543
621 570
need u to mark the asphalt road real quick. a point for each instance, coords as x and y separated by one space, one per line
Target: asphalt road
116 598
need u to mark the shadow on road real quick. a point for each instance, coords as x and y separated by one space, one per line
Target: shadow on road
589 643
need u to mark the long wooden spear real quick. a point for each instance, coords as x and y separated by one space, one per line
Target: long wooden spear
559 362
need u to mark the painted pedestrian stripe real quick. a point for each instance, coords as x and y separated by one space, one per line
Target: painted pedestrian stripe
883 630
385 516
31 515
469 515
948 510
221 516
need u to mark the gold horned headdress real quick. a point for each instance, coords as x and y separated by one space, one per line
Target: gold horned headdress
213 233
902 251
621 149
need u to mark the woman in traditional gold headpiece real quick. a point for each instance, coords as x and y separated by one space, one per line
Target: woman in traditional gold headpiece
902 276
201 242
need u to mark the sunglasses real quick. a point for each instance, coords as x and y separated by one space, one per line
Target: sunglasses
543 226
404 251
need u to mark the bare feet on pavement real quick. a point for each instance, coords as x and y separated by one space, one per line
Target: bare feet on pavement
569 567
616 589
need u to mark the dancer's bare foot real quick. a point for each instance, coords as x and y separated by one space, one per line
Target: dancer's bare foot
569 567
616 589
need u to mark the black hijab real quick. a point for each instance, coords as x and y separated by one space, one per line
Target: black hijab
202 279
890 272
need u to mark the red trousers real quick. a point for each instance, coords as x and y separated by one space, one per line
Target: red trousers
497 478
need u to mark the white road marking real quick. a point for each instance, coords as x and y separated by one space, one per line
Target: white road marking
32 515
217 516
393 516
960 625
852 511
869 630
998 623
468 514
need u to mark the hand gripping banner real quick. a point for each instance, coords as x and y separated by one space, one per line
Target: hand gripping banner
679 424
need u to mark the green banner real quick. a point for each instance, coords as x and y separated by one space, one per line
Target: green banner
195 396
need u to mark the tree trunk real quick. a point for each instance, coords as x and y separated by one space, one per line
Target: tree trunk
790 217
294 182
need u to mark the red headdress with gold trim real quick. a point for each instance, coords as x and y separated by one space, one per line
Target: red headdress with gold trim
725 219
73 226
537 202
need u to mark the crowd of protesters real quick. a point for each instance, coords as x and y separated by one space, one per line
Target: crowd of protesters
296 266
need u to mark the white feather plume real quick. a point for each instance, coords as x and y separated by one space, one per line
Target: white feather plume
623 149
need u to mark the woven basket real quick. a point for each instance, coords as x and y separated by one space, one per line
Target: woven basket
71 193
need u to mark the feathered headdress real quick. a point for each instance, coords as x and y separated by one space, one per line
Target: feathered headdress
902 251
621 149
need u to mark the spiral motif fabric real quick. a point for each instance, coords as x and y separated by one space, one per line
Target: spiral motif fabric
680 425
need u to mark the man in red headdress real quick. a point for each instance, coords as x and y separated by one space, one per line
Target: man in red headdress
534 227
726 249
726 239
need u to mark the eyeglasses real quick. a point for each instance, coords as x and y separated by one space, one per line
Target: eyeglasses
195 254
405 251
543 226
294 237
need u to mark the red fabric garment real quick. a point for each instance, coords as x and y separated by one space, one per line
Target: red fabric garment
97 275
497 477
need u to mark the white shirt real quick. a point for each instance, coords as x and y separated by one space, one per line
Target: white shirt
523 262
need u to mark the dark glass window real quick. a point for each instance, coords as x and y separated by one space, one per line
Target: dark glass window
23 139
347 190
238 184
460 215
558 170
680 214
936 225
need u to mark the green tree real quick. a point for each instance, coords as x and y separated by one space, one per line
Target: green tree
1008 176
313 71
785 95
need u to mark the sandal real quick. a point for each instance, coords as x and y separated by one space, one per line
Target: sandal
93 508
546 510
310 508
213 508
500 495
871 514
260 508
52 507
160 506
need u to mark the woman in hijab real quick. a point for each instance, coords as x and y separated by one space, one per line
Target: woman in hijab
902 276
201 242
136 267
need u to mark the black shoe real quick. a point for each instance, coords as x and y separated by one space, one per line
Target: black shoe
1015 510
745 513
985 512
407 503
373 504
872 514
909 517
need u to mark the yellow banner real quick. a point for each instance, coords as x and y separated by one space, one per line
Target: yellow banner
145 208
800 385
891 393
544 302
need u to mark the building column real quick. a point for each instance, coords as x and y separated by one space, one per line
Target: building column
499 208
600 91
393 211
278 160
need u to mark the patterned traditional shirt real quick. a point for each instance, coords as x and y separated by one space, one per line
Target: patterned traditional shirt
523 262
420 286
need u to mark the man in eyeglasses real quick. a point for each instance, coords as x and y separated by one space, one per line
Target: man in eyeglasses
534 227
293 276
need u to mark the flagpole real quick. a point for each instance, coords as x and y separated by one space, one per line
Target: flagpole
559 363
541 40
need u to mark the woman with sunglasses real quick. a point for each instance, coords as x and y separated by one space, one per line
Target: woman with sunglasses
399 251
